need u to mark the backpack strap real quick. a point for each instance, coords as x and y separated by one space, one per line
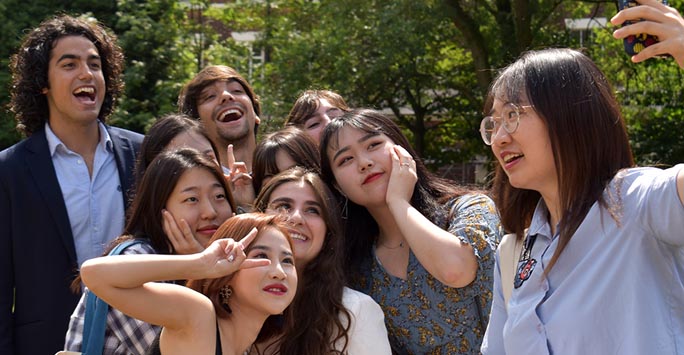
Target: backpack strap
96 313
509 252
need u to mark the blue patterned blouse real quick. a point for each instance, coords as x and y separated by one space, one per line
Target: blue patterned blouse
423 315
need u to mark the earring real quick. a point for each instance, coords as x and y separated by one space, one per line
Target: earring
345 211
224 295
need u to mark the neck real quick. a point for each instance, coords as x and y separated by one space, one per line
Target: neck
240 332
243 151
553 205
390 236
81 139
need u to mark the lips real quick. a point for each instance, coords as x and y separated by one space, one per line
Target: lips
276 289
509 158
85 94
210 229
230 115
371 177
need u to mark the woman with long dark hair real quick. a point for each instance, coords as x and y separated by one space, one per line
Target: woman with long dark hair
601 266
420 246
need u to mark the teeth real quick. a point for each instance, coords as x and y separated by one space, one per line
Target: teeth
298 236
229 112
510 157
87 90
274 290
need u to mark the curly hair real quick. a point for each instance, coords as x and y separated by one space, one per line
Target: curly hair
29 67
313 324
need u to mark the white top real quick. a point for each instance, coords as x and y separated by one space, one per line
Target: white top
617 288
367 334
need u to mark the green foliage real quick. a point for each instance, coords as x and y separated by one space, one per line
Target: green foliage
159 59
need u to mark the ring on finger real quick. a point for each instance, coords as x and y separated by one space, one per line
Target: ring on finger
231 258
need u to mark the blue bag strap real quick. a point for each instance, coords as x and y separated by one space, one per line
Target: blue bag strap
96 313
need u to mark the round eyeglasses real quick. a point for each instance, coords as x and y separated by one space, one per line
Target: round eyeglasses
509 119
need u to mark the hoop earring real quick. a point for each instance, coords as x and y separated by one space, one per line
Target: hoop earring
224 295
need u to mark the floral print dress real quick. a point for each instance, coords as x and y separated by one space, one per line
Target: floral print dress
423 315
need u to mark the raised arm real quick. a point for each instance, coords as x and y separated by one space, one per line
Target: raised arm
661 21
125 282
447 258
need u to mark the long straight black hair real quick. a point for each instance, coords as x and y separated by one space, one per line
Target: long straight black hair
586 129
429 195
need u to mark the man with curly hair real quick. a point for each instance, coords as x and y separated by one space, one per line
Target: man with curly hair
63 188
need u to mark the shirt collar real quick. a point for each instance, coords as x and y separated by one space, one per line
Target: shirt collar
54 142
540 220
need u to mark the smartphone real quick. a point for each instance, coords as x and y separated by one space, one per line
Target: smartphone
636 43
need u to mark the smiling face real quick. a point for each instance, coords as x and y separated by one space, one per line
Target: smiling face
269 289
361 165
201 201
298 201
76 85
315 124
526 155
226 111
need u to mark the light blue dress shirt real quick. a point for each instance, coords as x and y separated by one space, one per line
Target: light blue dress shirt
94 205
617 288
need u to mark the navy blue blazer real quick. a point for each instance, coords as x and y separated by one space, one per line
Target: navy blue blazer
37 253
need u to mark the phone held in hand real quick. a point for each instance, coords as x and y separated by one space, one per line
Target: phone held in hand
636 43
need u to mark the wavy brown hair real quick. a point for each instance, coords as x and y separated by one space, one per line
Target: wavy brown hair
308 102
588 136
236 228
312 323
29 67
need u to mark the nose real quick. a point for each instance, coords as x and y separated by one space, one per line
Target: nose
208 211
226 96
295 217
277 272
86 73
501 137
365 163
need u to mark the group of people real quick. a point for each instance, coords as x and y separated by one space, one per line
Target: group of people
331 235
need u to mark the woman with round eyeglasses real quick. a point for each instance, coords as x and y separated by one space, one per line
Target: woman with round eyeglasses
509 119
601 269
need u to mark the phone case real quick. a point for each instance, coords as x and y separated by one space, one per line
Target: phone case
636 43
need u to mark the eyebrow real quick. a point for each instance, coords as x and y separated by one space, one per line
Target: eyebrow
265 248
193 188
288 199
361 140
73 56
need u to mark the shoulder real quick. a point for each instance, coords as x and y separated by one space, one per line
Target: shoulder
636 182
356 302
139 246
122 133
12 153
470 199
